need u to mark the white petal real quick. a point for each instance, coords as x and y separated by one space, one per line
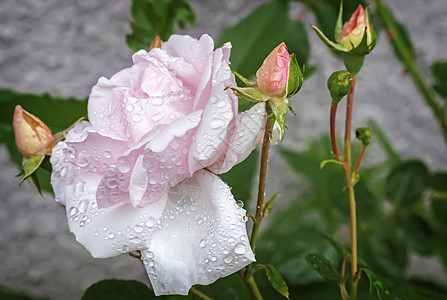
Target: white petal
99 99
103 232
202 237
138 182
247 136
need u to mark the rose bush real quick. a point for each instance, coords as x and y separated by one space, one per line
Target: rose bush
133 178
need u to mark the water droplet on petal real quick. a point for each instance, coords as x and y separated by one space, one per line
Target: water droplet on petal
82 206
72 211
202 243
138 228
64 171
239 248
217 123
150 222
108 154
240 203
228 259
123 164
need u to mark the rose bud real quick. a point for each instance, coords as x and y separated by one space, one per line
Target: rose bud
339 84
279 75
32 136
354 30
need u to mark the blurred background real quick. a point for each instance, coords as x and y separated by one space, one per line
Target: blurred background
63 47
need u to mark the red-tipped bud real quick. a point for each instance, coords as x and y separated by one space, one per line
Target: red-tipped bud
32 136
353 31
272 76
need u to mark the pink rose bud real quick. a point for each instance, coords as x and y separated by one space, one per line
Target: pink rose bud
32 135
272 76
353 31
156 43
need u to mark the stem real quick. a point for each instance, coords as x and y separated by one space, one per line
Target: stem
251 283
199 294
261 188
332 117
397 40
350 186
359 160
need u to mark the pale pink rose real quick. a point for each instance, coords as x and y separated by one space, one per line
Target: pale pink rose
33 137
353 30
272 76
133 177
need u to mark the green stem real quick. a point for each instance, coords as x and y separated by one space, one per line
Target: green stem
199 294
350 187
332 117
398 41
251 283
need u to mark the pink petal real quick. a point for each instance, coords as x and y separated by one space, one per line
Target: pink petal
202 237
248 134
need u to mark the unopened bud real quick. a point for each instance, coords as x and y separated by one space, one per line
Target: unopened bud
32 136
355 29
156 43
273 74
364 135
339 84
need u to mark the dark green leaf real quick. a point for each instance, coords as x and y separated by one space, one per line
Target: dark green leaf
8 294
379 286
323 266
114 289
276 280
420 235
438 182
439 71
422 290
406 183
240 177
260 32
154 17
227 288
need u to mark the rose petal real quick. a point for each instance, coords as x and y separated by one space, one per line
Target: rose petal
247 136
103 232
100 97
163 157
202 237
218 119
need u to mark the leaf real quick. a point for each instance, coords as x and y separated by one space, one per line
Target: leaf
30 165
227 288
323 266
276 280
422 290
406 183
378 286
154 17
332 161
439 71
115 289
420 236
255 36
8 294
438 181
268 205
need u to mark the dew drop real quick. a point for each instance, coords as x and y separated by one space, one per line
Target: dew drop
108 154
228 259
136 118
112 183
150 222
157 101
72 211
123 165
64 171
217 123
202 243
111 236
138 228
147 254
82 206
158 116
240 203
125 249
239 248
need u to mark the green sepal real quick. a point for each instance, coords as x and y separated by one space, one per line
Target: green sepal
292 110
246 81
339 24
268 205
279 107
364 135
339 84
295 79
353 62
362 49
331 161
328 42
30 165
252 94
36 182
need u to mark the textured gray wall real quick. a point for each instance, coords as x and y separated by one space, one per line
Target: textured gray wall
62 47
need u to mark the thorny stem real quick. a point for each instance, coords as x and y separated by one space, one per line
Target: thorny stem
398 41
359 160
247 273
332 117
350 187
199 294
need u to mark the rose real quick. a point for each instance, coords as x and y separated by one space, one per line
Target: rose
353 31
122 176
33 137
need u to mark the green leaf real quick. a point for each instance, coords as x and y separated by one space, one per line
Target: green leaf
246 81
276 280
240 177
268 204
114 289
227 288
154 17
252 94
406 183
439 71
30 165
254 37
323 266
8 294
422 290
332 161
421 236
378 286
